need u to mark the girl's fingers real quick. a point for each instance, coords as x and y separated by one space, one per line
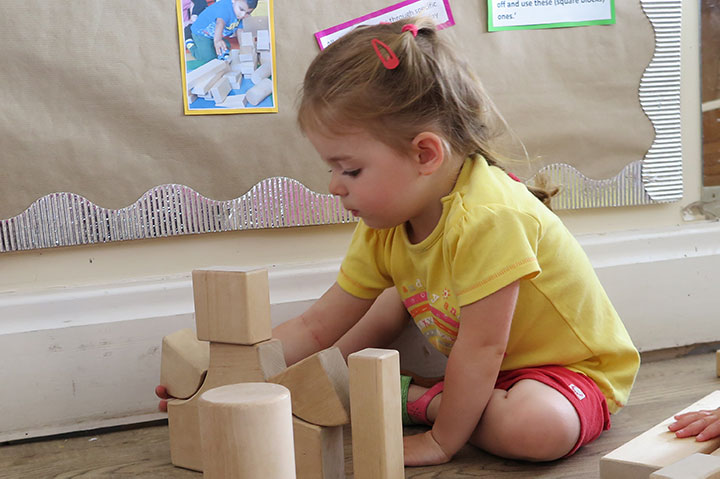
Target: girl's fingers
695 427
161 392
710 432
683 420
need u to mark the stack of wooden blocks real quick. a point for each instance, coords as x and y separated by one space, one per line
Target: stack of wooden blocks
215 80
234 345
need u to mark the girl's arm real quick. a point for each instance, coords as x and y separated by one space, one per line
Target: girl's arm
470 377
329 318
318 328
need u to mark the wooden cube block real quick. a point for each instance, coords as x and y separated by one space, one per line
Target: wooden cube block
229 364
183 363
695 466
319 388
232 305
319 452
657 448
246 39
377 434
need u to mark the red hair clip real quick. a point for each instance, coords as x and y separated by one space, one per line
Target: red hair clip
410 27
391 61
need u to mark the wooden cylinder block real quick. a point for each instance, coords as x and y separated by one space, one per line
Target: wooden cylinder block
247 432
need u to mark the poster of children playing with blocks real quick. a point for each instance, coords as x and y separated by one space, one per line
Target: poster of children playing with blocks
227 56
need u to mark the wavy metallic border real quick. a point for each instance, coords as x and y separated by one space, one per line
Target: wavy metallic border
66 219
660 99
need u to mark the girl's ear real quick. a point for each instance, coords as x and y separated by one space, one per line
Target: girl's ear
428 152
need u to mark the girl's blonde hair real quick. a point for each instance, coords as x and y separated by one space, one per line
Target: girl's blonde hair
348 86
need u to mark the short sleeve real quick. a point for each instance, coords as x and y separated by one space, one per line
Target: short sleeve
363 272
490 248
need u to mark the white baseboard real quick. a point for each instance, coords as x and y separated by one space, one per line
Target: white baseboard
84 358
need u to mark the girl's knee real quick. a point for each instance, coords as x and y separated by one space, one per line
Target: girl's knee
532 426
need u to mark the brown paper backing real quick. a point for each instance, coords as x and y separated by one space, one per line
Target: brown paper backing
91 96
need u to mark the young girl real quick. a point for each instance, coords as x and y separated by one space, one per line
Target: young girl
537 356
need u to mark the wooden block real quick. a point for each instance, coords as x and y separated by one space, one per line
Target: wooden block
246 39
716 452
234 101
319 452
247 432
265 57
265 71
232 305
229 364
377 434
656 447
183 363
203 85
259 92
220 90
695 466
213 66
247 68
263 40
247 54
319 388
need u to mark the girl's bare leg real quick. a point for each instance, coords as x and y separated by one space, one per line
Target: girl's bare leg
531 422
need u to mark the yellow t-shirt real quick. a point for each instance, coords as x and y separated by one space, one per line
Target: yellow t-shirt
493 232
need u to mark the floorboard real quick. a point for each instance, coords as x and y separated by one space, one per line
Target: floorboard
663 387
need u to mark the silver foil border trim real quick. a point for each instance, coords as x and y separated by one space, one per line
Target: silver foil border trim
67 219
662 175
578 191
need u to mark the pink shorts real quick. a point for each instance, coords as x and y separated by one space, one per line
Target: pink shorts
580 390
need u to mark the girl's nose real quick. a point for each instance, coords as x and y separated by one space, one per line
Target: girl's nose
336 186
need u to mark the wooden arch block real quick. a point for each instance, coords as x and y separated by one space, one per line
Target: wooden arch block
232 305
319 388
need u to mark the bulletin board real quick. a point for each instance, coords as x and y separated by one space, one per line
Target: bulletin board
96 146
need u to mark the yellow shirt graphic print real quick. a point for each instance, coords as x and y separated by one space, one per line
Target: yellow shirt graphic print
435 317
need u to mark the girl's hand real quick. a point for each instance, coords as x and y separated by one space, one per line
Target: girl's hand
423 450
161 392
704 424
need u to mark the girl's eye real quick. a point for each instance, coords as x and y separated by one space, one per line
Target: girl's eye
352 173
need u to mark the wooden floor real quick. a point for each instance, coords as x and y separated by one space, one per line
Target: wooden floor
664 386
